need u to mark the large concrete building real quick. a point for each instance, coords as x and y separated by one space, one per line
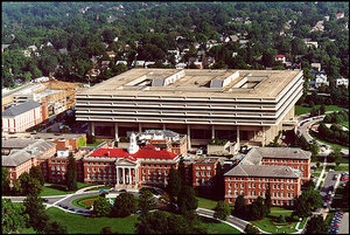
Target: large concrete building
244 106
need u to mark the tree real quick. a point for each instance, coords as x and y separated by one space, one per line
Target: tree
36 173
147 201
308 201
125 204
71 174
107 230
222 210
29 184
155 223
268 201
257 210
345 200
335 154
187 200
53 227
316 225
38 217
182 172
251 229
219 183
13 218
5 182
174 184
240 207
102 207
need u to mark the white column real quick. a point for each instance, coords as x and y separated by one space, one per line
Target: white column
213 132
140 128
264 137
129 175
117 174
92 125
124 176
116 131
189 137
238 141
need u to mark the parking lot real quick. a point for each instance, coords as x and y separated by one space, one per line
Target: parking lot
337 225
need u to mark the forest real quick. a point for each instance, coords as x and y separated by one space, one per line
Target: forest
69 39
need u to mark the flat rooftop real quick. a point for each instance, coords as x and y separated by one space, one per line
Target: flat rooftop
196 82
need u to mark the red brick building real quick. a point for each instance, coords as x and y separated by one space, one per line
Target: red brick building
285 169
18 155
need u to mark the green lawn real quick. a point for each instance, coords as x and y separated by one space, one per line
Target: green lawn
269 224
303 109
86 225
206 203
58 189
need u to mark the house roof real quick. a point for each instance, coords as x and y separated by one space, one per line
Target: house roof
280 56
149 151
21 108
16 158
271 152
262 171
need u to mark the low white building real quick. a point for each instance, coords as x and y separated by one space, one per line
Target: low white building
342 81
321 79
21 117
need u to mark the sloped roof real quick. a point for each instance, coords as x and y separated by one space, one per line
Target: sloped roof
149 151
21 108
262 171
110 152
286 153
16 158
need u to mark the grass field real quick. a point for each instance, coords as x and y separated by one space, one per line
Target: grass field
77 224
57 189
302 109
270 225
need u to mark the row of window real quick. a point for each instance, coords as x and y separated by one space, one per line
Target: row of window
259 179
203 173
264 186
261 193
203 168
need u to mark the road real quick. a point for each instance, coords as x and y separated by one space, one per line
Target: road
235 222
64 202
304 124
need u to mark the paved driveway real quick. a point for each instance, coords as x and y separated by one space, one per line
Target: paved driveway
344 224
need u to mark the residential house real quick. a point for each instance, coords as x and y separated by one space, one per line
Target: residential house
310 43
339 15
342 82
111 54
320 79
280 58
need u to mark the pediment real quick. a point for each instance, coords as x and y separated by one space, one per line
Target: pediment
125 162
